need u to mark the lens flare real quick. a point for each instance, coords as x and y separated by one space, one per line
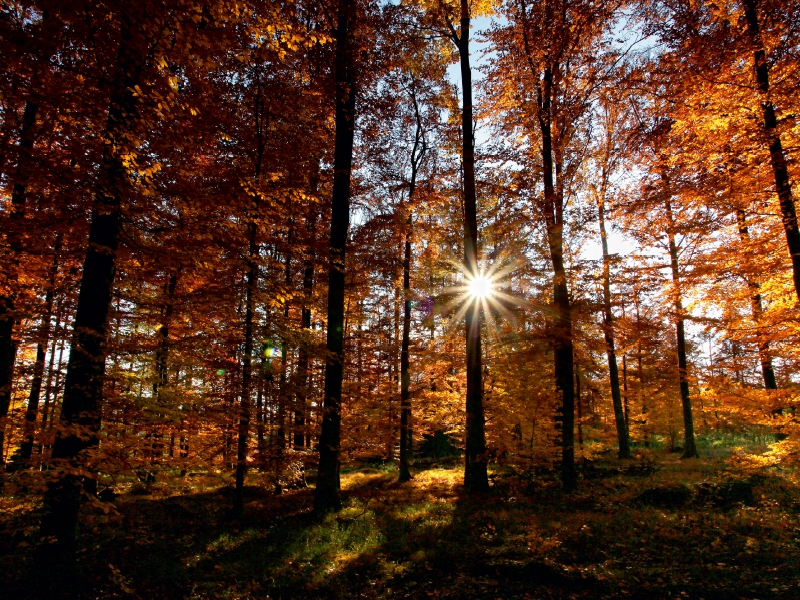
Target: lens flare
481 287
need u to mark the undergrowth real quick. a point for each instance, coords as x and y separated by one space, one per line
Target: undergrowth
524 539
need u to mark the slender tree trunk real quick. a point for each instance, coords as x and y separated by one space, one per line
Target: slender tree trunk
690 448
767 371
394 368
260 383
247 367
562 326
49 389
326 494
305 324
405 375
79 422
261 118
625 389
13 228
38 368
283 393
640 373
162 353
475 463
406 440
783 184
579 406
14 239
608 330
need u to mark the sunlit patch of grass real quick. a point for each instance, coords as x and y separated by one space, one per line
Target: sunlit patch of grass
364 479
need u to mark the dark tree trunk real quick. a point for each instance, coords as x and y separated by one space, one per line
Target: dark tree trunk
579 406
783 184
608 330
38 368
50 389
260 417
767 371
283 390
261 117
405 375
406 440
326 494
640 375
47 37
14 239
247 367
690 448
562 321
162 353
79 422
305 324
625 389
475 460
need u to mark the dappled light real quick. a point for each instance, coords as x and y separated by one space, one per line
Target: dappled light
404 299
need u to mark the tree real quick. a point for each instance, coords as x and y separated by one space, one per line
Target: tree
326 493
606 162
554 58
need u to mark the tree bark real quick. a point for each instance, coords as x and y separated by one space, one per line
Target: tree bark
162 352
247 367
690 448
326 493
14 236
562 322
26 449
283 390
783 184
406 440
475 460
767 371
608 331
261 118
305 324
79 422
49 389
46 42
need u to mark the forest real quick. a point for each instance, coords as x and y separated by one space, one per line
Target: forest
399 299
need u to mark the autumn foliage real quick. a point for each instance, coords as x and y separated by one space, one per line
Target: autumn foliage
240 242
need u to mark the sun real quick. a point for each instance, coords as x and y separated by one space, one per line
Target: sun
481 287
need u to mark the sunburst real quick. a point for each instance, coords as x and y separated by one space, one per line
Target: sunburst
482 292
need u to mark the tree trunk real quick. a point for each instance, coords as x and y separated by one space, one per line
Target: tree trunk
562 322
690 448
38 368
49 389
783 184
579 406
767 371
608 331
247 367
475 463
163 335
326 494
406 440
305 324
14 236
283 393
405 375
261 119
79 422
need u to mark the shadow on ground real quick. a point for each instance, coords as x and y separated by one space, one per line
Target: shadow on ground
525 539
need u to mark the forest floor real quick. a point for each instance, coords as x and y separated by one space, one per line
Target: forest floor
697 533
